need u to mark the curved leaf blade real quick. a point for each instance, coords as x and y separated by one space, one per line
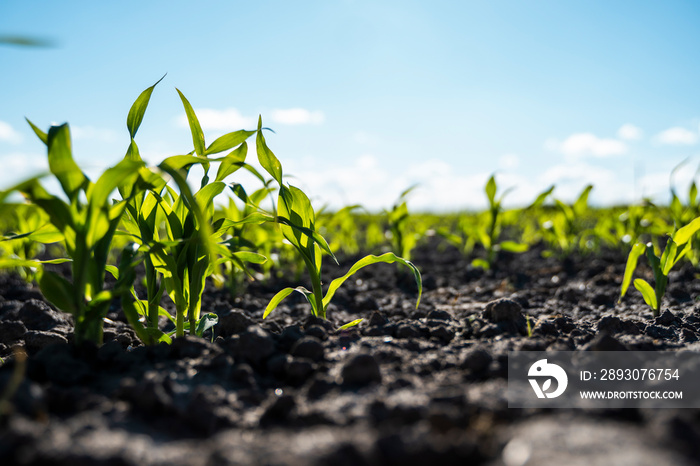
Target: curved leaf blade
195 127
276 300
61 161
138 109
683 235
388 258
648 293
232 162
637 250
265 156
228 141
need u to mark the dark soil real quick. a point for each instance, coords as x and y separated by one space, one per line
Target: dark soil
408 386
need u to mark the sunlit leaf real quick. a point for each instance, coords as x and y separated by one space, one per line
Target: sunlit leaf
232 162
228 141
683 235
61 161
138 109
637 250
648 293
350 324
195 128
265 156
388 258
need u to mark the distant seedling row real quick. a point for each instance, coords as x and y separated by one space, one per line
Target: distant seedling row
148 222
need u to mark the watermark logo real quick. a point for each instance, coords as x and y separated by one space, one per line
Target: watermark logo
551 371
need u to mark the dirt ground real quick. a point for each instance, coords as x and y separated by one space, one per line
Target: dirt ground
407 386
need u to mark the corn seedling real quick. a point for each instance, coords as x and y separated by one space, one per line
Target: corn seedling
28 229
488 233
297 220
87 219
565 229
676 247
189 251
402 238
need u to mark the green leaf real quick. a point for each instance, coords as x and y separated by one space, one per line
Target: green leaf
388 258
512 246
45 234
59 212
228 141
481 263
179 162
113 271
648 293
232 162
350 324
206 322
265 156
195 128
541 198
491 190
158 335
683 235
42 135
581 203
295 206
98 193
10 262
58 291
138 109
276 300
667 257
205 196
252 257
61 161
637 250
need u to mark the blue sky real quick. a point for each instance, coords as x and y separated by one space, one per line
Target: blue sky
370 97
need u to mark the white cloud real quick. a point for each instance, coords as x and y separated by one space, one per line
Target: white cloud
629 132
229 119
677 136
362 137
570 179
18 166
232 119
90 132
509 161
9 134
297 116
581 144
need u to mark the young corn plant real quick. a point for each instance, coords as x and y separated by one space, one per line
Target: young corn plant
181 258
682 213
244 236
565 229
297 220
87 219
403 239
341 227
27 230
676 247
489 232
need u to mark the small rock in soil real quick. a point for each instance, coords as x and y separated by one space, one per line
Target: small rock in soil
604 342
255 345
666 319
308 347
360 370
37 315
234 322
502 310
